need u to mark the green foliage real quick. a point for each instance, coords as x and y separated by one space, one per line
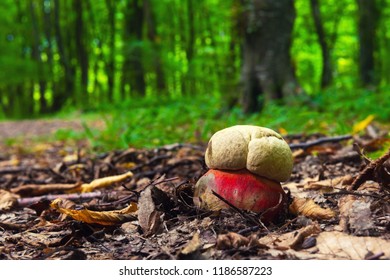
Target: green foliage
152 122
60 55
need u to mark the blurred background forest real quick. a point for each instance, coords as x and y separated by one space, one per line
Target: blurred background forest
189 67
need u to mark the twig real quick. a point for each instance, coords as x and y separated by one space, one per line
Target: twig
23 202
175 146
369 172
320 141
14 170
242 213
375 256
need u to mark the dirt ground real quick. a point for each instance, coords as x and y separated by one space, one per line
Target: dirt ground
33 128
338 205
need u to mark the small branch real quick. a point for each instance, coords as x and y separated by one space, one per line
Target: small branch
375 256
24 202
319 141
369 172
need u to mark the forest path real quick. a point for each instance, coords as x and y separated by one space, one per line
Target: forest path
40 128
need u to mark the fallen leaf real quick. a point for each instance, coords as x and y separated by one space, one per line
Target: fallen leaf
360 126
13 161
328 184
191 250
149 217
291 240
338 245
231 240
355 215
106 218
344 204
360 221
103 182
307 231
308 208
8 200
332 245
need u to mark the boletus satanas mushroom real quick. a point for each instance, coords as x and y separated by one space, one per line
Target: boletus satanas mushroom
246 165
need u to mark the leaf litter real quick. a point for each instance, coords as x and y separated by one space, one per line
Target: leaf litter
60 203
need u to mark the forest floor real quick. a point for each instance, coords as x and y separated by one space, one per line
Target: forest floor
34 128
51 206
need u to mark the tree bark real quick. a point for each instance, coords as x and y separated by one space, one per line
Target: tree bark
110 64
267 71
153 37
36 55
133 69
368 20
60 96
326 75
82 53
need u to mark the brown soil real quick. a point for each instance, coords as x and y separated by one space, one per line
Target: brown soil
34 128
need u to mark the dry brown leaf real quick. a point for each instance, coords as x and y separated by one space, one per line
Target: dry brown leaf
291 240
8 200
13 161
103 182
338 245
308 208
231 240
344 204
328 184
302 234
106 218
329 246
355 215
149 217
192 246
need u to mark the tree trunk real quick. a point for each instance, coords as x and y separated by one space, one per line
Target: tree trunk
368 19
133 69
267 72
60 96
110 64
153 37
326 75
36 55
47 27
82 53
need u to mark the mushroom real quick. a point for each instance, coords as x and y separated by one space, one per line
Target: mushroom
246 165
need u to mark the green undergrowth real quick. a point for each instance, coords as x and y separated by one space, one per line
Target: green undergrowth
154 122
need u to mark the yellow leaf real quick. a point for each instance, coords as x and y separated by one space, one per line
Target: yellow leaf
362 124
282 131
309 209
106 218
103 182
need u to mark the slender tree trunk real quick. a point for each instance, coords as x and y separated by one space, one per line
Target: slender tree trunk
267 71
368 21
190 50
133 69
82 53
47 28
61 95
326 76
36 55
153 37
110 64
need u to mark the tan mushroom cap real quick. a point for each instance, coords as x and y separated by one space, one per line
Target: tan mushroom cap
260 150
